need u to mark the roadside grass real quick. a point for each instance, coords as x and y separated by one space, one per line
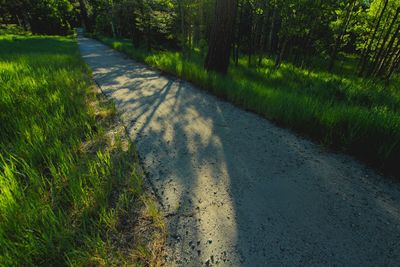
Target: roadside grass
71 189
360 117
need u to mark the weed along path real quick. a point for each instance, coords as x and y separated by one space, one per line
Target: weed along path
239 191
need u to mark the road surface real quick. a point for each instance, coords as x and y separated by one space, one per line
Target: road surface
238 190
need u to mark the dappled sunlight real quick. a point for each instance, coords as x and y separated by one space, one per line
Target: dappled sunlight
390 207
179 149
235 188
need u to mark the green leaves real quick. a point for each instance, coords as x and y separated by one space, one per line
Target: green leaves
43 16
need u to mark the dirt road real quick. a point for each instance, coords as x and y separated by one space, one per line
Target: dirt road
240 191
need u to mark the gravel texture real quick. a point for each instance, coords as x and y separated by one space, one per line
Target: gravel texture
238 190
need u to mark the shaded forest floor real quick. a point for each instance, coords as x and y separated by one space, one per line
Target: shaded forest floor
71 184
344 112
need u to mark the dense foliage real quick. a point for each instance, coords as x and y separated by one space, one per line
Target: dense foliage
302 32
54 17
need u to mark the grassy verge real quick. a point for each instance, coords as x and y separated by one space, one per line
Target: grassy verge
347 113
71 185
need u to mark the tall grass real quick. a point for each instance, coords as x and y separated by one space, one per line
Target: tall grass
361 117
64 186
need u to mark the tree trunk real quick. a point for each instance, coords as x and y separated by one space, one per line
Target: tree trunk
146 27
113 30
221 36
236 54
368 50
272 28
196 33
279 57
389 51
251 44
132 26
183 32
19 22
395 65
85 19
390 57
238 35
263 35
342 33
377 58
368 38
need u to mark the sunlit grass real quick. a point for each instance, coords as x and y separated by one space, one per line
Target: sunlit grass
64 183
358 116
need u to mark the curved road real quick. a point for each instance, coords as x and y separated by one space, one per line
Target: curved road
240 191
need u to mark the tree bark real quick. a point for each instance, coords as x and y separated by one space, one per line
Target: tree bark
183 32
342 33
281 53
395 65
368 50
132 25
378 56
271 31
238 35
85 19
113 30
389 52
392 55
263 35
251 44
221 36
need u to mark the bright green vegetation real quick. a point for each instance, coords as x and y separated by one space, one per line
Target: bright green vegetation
70 183
352 114
314 66
40 16
13 29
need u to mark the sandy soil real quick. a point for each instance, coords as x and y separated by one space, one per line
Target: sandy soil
240 191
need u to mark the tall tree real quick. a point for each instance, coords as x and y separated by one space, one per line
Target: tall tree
221 36
349 13
381 50
84 16
391 51
366 54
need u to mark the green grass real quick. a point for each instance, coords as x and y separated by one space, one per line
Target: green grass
347 113
66 184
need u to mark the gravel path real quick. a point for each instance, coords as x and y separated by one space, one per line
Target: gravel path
240 191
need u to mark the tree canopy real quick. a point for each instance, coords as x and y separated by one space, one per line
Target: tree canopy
295 30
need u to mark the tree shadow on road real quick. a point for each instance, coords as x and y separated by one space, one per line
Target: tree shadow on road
239 191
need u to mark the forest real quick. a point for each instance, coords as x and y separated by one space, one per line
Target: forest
326 69
315 93
360 34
